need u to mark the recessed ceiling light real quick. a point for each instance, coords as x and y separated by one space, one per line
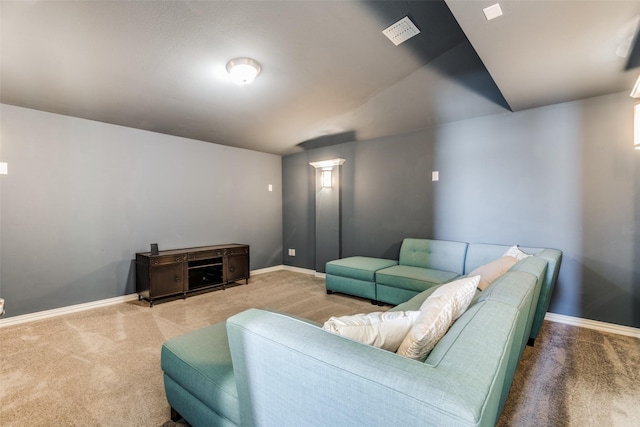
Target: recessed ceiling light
492 12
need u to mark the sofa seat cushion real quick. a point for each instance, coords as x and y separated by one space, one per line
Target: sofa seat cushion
358 267
413 278
200 362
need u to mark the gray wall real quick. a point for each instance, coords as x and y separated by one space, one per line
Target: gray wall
564 176
386 195
82 197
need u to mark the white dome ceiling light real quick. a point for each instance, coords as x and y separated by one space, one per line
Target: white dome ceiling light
243 70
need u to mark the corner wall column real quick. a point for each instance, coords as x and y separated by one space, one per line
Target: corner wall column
328 212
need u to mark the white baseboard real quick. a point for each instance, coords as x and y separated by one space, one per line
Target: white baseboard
285 267
266 270
593 324
47 314
299 270
552 317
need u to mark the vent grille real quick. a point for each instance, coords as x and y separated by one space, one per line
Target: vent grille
401 31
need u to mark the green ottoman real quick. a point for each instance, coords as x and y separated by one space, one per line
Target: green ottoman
355 275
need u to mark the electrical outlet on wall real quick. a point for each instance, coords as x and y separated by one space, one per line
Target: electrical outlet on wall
292 252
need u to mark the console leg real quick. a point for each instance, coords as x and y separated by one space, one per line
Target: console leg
175 416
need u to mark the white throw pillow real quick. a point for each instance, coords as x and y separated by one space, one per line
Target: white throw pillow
515 252
438 313
379 329
492 270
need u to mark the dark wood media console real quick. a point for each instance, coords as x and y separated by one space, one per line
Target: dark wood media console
180 271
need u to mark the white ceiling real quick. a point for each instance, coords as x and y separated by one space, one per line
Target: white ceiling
328 73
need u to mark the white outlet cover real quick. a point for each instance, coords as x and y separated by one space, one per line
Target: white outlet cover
435 176
270 187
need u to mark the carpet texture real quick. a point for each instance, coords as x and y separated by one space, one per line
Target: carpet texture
102 367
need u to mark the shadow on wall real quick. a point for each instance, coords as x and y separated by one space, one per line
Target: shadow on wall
606 298
610 214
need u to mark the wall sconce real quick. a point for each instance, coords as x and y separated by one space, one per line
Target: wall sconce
325 178
636 126
326 169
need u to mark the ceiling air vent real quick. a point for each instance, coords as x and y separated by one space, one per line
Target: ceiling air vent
401 31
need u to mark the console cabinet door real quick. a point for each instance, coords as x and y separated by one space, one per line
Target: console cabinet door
166 279
237 267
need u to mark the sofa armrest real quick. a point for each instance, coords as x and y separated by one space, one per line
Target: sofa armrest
554 259
289 372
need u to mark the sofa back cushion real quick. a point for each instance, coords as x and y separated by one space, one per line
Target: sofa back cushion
436 254
479 254
482 253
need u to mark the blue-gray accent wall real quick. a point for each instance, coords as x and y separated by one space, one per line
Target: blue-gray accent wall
82 197
564 176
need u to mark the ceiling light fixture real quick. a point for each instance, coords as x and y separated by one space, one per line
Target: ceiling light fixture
243 70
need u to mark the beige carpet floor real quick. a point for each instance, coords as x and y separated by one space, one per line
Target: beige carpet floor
102 367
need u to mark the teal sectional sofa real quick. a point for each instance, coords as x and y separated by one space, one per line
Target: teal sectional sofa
425 263
262 368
